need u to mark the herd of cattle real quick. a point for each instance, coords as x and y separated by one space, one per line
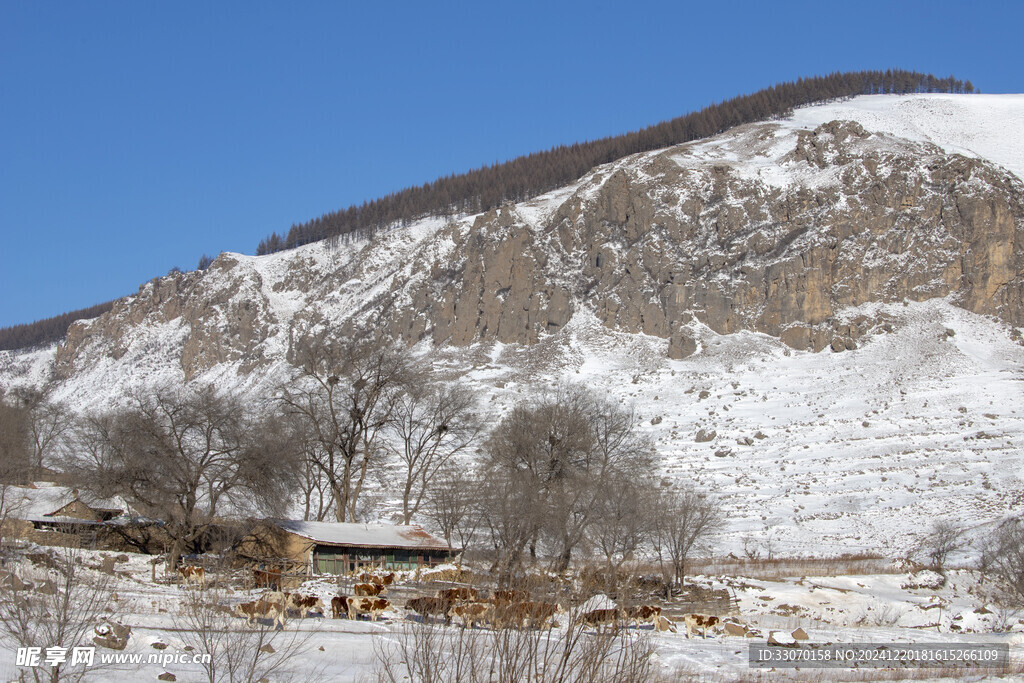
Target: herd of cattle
503 609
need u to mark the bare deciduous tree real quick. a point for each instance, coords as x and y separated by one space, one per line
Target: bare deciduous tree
510 510
291 435
344 397
944 538
684 520
432 423
1003 561
313 484
186 456
567 448
50 424
452 502
15 461
15 438
620 524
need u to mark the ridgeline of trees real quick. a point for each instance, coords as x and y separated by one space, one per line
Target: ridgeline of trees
48 330
528 176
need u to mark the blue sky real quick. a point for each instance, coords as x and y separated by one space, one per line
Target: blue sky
136 136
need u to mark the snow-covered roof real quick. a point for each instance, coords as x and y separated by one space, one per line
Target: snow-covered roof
363 535
39 502
31 504
115 504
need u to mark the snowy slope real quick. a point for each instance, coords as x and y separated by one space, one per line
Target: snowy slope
849 451
985 126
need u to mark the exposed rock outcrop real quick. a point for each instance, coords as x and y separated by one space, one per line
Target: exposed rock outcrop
662 240
780 240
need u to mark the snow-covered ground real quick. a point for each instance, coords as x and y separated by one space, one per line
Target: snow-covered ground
897 607
825 453
900 607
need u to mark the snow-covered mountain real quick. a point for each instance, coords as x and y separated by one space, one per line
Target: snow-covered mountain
702 283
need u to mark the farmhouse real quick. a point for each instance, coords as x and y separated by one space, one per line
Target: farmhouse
339 548
50 514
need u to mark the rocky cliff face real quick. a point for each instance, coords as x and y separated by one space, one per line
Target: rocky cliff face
768 228
661 240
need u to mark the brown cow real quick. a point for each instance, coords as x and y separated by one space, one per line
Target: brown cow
367 590
643 614
458 594
506 615
524 614
192 575
599 618
472 613
339 606
428 607
539 614
305 604
267 578
371 606
386 580
505 597
699 621
261 609
276 596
